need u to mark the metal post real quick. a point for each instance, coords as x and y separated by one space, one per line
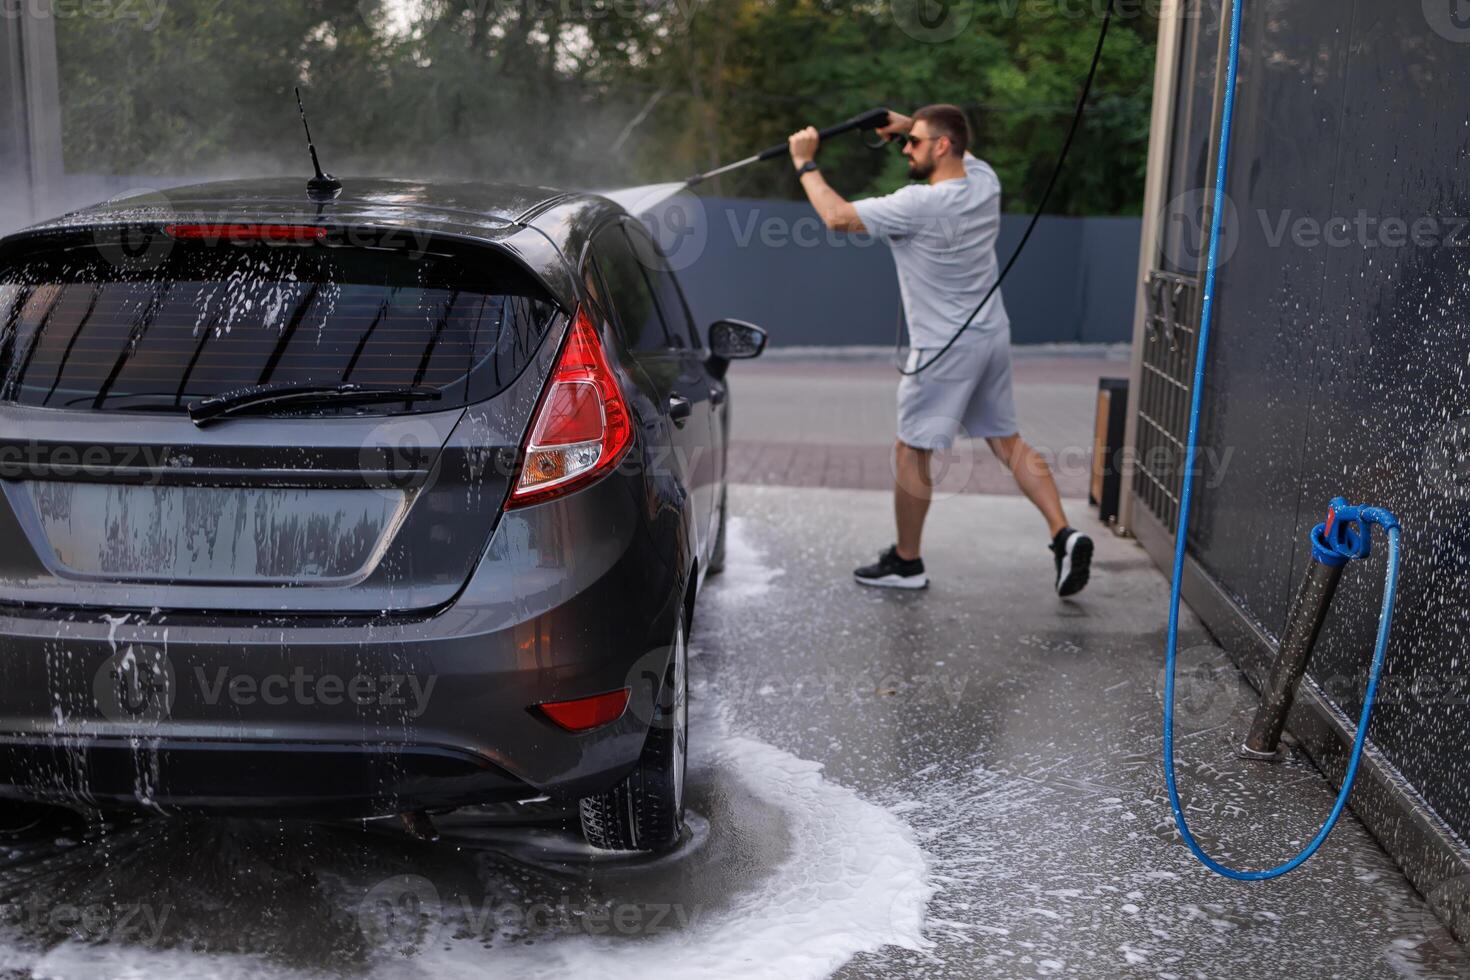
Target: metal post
1303 626
1166 77
30 116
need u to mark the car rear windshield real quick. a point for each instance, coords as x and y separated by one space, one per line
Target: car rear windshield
80 331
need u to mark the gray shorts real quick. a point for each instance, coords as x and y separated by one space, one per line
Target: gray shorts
967 394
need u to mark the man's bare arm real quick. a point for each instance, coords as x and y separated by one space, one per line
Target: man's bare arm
835 210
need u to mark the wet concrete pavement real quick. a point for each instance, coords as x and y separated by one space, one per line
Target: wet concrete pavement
1019 736
958 783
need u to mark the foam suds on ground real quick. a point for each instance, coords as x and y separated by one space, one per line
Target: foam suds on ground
746 574
854 881
787 874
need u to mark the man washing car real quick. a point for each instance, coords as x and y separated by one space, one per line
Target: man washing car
942 230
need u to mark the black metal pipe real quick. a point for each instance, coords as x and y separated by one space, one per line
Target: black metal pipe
872 119
1303 626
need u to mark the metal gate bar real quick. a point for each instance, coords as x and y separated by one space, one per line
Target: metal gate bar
1167 362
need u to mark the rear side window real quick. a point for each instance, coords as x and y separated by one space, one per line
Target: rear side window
628 293
77 331
666 289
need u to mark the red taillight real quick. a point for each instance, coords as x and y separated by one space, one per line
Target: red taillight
300 234
573 413
585 714
582 426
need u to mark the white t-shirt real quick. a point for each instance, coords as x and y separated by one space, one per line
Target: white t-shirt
943 240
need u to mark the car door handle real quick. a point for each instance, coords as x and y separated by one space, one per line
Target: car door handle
717 396
679 410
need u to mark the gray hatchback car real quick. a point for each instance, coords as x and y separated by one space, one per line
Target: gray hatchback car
383 504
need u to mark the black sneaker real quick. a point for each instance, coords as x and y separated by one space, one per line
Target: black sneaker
892 572
1073 551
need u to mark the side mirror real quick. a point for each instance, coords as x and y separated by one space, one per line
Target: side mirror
735 340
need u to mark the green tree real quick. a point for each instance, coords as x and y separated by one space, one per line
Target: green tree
597 92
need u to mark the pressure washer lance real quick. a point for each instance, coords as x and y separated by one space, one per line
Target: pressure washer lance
872 119
1344 537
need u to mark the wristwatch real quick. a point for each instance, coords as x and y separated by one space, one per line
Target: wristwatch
806 168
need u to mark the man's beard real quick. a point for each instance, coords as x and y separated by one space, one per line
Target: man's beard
920 171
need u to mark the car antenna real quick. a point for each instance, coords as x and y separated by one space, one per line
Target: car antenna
323 187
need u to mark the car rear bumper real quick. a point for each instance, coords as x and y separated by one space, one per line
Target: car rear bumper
571 599
244 776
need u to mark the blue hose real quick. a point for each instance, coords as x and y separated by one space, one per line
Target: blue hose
1364 517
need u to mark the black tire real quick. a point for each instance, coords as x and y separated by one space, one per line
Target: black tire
645 812
21 821
717 554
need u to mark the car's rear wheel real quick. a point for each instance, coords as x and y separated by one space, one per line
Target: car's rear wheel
23 820
645 812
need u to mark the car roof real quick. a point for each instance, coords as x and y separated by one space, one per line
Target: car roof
530 223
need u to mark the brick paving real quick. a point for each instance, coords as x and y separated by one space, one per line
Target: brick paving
830 423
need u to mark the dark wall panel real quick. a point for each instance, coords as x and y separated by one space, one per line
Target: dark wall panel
1391 376
771 262
1343 352
1260 389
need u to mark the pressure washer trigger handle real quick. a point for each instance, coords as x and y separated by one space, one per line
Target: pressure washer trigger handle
872 119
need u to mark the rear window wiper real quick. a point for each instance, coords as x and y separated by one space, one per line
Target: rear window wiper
259 398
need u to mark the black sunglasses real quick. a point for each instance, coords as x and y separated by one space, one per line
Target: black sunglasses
911 140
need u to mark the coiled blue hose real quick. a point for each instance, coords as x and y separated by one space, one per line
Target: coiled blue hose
1371 515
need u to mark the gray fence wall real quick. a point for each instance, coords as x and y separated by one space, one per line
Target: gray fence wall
772 263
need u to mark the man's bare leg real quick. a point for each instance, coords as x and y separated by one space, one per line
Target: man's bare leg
1034 478
912 490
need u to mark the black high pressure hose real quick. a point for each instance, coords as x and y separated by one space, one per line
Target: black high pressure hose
1045 196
